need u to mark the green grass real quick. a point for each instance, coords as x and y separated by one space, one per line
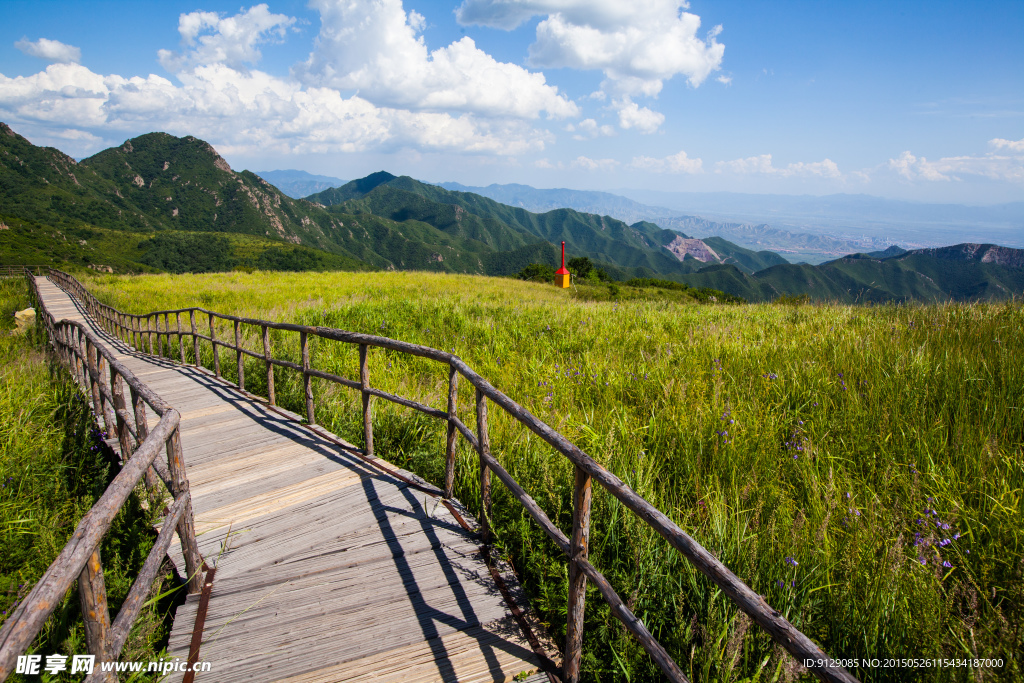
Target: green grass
819 451
53 468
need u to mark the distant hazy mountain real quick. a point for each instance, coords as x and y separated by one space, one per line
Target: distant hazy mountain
852 216
963 272
298 184
586 201
793 245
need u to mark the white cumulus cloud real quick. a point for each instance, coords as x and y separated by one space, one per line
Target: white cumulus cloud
248 112
637 45
632 115
992 166
212 39
244 110
52 51
373 46
912 168
674 163
1009 145
589 164
762 165
588 129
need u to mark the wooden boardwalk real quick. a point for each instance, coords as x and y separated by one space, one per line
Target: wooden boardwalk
327 569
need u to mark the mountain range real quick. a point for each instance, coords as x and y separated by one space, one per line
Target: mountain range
855 217
803 228
159 202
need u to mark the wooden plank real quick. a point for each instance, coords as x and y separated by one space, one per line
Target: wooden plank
273 501
416 663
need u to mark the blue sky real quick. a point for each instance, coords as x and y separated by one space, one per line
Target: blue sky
919 101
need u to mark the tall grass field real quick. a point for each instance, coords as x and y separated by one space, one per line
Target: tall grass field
860 467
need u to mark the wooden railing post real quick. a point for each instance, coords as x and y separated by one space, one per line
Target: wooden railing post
149 332
186 527
83 348
92 594
109 420
65 336
81 365
181 340
124 436
93 374
579 550
484 444
142 431
195 336
213 343
364 382
307 383
159 338
58 335
270 366
449 451
238 355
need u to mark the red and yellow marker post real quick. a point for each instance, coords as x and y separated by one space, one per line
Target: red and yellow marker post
562 277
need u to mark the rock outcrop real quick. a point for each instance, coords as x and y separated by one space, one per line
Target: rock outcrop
681 247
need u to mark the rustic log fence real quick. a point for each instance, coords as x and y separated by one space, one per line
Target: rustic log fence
19 271
144 331
103 379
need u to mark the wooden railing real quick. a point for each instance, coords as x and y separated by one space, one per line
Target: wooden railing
145 330
19 271
103 379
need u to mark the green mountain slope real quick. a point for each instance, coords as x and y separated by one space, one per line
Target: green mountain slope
634 250
744 259
504 227
150 183
102 249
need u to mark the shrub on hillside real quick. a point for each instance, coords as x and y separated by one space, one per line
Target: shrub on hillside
185 253
537 272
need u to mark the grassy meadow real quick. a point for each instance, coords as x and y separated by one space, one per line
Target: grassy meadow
53 468
860 467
